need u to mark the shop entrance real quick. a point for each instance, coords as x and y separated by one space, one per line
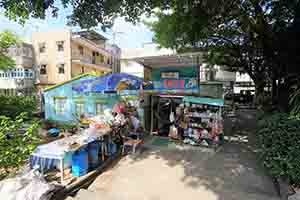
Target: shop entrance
162 106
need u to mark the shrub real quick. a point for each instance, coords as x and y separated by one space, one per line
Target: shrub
280 143
12 106
16 141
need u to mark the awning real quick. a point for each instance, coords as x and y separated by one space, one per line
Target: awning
173 60
203 100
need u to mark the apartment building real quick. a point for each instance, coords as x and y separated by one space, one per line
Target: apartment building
61 55
19 80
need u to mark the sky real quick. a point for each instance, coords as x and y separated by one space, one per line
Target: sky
128 36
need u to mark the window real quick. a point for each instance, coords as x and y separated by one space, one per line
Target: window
43 69
61 68
94 58
79 108
60 45
101 58
60 105
30 73
99 109
26 73
80 48
42 47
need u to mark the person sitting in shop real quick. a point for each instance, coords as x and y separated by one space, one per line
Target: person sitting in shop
135 126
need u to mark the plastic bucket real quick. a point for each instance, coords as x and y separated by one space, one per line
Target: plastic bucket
93 149
80 163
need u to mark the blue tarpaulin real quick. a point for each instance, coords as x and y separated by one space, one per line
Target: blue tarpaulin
111 82
203 100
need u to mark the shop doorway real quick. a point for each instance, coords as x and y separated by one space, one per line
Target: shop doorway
162 106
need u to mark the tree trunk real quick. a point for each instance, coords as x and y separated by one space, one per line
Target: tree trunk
259 93
274 91
283 96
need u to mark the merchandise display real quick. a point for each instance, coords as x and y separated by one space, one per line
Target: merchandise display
198 122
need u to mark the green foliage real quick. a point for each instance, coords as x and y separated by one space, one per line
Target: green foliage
7 39
66 126
16 142
50 123
12 106
252 37
280 139
99 11
295 103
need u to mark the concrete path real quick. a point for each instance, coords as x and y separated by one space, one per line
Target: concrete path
176 173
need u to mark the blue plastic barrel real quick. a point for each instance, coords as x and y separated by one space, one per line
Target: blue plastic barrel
93 149
80 162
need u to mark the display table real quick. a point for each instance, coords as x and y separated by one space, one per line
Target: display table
46 155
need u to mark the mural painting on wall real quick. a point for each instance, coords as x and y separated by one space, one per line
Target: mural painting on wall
112 82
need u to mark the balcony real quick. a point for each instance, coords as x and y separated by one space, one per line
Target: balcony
21 55
91 45
87 60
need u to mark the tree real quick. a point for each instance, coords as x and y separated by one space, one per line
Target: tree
86 13
245 36
16 145
7 39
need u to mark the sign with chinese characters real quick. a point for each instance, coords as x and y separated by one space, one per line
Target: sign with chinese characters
176 84
171 75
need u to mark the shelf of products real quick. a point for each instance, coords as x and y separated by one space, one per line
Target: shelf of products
198 124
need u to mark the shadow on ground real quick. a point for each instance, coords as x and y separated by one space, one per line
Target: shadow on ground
233 172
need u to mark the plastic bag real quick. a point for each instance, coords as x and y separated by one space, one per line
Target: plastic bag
172 117
173 133
135 122
30 186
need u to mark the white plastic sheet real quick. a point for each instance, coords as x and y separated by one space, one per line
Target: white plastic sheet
30 186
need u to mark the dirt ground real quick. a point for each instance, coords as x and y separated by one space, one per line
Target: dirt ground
183 172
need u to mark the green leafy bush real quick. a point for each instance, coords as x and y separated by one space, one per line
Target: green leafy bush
12 106
280 143
18 139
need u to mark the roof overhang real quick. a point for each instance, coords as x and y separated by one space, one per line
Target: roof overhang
173 60
91 35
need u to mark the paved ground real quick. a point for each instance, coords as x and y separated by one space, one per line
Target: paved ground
177 173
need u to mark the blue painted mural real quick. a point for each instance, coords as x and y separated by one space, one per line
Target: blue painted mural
64 103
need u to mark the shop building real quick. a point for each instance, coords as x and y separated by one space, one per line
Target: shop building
89 95
177 77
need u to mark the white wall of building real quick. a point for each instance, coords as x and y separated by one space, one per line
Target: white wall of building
243 77
133 68
10 83
225 76
240 79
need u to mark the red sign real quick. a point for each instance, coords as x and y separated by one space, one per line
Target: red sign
171 84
